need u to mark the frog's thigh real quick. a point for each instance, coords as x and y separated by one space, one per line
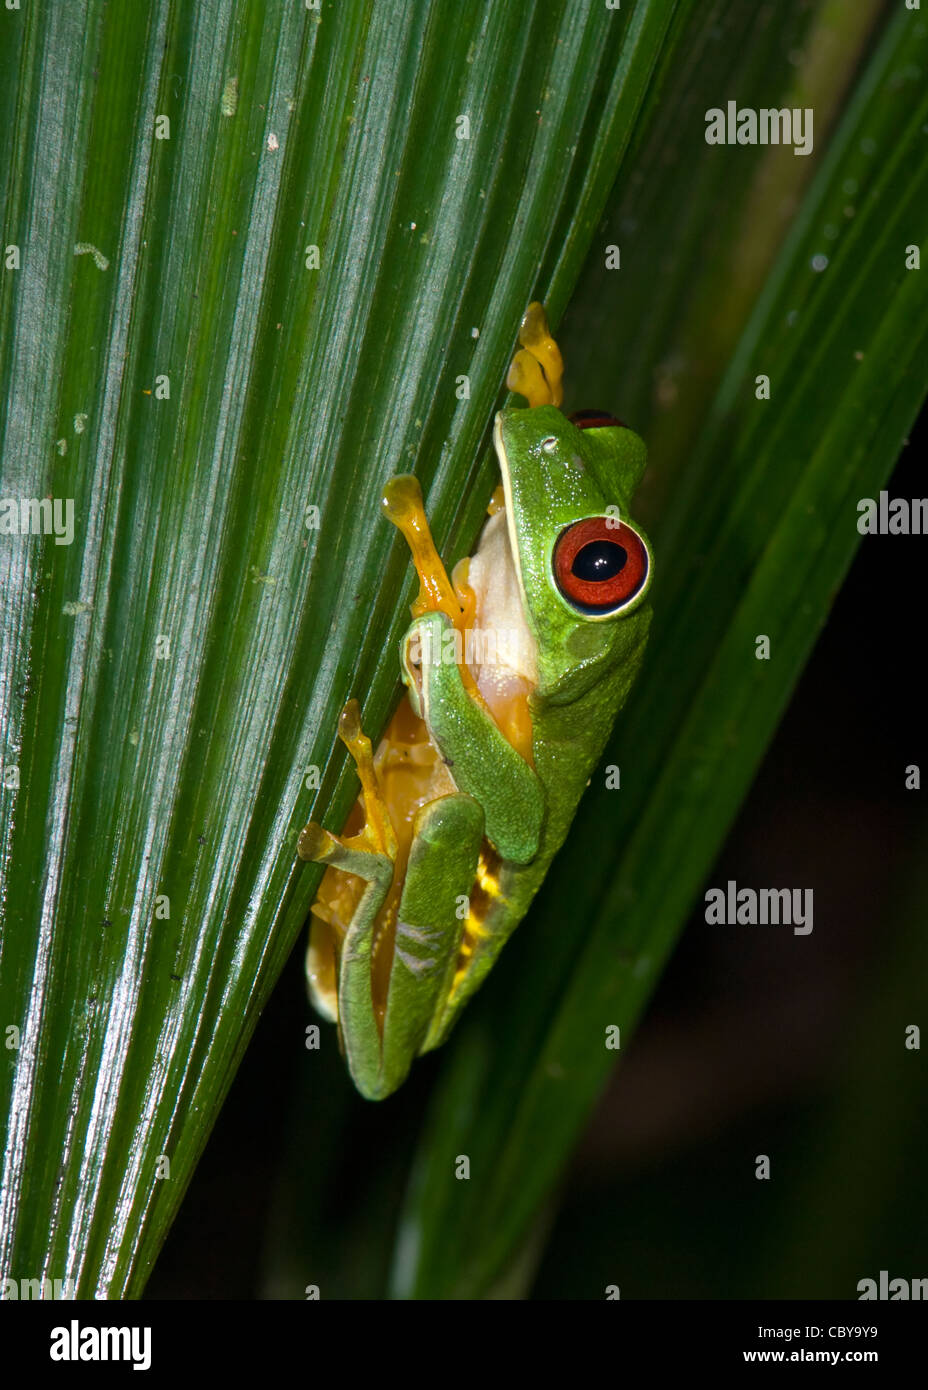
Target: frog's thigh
440 874
357 1025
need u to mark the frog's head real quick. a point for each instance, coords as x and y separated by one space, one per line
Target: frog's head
584 568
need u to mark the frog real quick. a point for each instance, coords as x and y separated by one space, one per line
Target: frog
515 669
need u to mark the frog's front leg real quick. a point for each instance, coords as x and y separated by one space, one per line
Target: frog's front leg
481 760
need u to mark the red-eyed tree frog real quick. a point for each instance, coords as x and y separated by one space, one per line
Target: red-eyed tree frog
515 670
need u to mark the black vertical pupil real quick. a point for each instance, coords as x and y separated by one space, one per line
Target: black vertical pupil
598 561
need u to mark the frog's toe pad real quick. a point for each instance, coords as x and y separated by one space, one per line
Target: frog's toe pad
315 844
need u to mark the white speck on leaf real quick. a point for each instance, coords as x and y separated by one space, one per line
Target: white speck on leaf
86 248
229 104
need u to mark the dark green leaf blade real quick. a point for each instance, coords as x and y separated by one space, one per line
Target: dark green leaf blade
756 540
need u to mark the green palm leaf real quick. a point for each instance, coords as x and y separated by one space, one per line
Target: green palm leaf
254 253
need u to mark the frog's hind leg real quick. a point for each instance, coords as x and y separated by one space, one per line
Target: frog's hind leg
432 915
369 853
377 835
370 856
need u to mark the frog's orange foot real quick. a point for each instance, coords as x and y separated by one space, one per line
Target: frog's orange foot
537 369
403 505
315 845
377 834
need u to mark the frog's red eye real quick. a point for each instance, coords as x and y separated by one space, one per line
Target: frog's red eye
600 565
594 420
